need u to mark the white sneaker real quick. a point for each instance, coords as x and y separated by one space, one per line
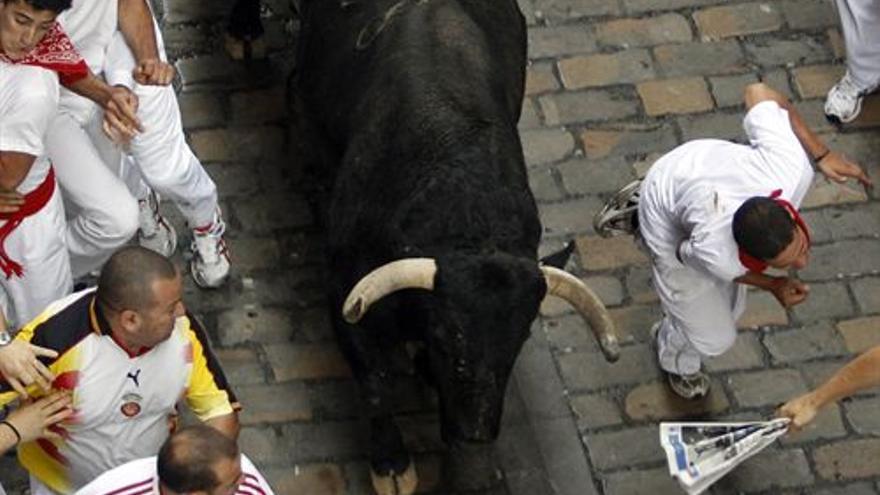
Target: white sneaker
154 232
620 214
210 263
844 100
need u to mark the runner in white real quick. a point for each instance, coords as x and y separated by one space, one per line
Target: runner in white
195 460
34 266
860 20
714 215
89 174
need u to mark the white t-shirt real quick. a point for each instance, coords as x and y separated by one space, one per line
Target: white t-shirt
90 24
139 478
28 102
692 192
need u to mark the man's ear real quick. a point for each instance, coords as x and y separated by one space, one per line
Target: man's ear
130 320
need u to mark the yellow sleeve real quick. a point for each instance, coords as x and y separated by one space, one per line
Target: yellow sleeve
208 394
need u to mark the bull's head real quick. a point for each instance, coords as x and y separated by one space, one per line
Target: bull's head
480 316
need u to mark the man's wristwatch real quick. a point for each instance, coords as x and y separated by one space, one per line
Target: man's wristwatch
5 338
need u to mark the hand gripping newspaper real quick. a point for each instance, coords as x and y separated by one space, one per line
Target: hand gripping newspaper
699 454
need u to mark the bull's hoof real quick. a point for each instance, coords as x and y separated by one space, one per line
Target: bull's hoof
394 483
239 49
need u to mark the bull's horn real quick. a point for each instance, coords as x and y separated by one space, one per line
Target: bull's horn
410 273
565 285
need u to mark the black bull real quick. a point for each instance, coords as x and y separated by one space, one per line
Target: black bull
416 103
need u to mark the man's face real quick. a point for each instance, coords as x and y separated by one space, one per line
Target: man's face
796 254
22 27
157 322
229 476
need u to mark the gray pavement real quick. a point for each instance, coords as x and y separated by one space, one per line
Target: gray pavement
611 85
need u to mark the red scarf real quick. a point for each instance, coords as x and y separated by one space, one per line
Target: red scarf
759 266
55 52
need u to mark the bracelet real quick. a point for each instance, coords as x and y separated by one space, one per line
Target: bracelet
14 430
822 156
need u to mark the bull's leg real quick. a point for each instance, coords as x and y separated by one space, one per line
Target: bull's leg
244 38
471 466
391 467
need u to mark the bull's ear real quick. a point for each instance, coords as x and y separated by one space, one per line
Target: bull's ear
559 258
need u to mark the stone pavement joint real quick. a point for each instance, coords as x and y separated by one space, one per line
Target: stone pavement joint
611 85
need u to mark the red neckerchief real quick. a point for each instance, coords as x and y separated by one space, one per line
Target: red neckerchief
55 52
759 266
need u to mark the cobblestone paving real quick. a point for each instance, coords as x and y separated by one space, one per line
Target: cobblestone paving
611 85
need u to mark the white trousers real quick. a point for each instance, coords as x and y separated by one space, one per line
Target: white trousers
700 311
163 158
860 20
699 315
103 214
38 245
94 176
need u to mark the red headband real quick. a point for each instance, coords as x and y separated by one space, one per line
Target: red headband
759 266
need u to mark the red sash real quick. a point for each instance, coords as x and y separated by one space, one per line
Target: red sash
34 201
759 266
55 52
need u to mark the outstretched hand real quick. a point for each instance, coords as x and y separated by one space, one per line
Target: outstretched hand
801 410
32 420
120 115
21 368
837 167
790 291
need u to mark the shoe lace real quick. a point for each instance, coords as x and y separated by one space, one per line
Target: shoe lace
148 215
209 241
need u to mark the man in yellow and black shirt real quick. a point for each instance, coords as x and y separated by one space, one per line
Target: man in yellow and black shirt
128 351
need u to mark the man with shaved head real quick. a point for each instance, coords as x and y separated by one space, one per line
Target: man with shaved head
128 351
195 460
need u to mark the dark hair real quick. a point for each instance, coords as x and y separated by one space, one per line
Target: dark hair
762 228
126 281
186 460
57 6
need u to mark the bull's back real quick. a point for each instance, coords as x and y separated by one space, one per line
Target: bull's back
368 61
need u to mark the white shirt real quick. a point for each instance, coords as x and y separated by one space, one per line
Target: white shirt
28 102
691 193
91 24
139 478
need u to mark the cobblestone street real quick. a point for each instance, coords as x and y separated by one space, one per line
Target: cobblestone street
611 85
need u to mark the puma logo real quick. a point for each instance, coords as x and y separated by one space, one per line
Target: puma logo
134 377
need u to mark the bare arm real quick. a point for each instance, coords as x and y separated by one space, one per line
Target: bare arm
834 165
33 419
136 26
859 374
226 424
